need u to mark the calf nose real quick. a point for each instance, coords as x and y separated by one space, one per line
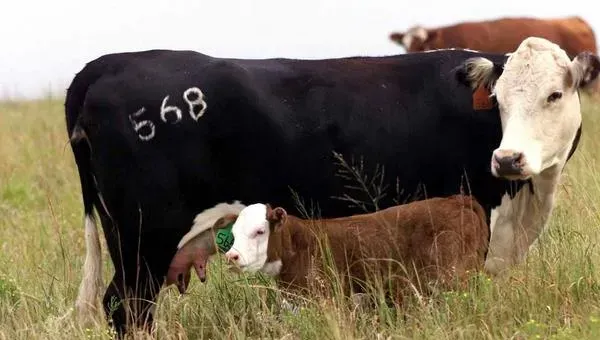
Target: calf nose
232 256
507 162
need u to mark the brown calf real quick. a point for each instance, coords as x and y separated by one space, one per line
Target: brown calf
438 240
435 240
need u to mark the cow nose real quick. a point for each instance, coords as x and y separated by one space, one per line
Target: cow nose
232 256
508 162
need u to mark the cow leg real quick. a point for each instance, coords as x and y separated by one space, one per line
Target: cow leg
130 298
130 303
499 256
123 298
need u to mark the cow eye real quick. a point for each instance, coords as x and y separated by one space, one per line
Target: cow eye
260 232
554 96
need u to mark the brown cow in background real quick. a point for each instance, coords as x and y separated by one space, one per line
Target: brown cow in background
573 34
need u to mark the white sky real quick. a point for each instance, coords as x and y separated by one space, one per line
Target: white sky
43 43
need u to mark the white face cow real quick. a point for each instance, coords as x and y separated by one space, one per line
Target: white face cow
537 95
417 39
251 238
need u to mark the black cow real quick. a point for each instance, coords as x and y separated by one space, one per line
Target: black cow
161 136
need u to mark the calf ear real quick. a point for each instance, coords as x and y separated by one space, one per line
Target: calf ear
479 72
276 217
225 220
584 70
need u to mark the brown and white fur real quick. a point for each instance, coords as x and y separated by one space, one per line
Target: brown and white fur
434 240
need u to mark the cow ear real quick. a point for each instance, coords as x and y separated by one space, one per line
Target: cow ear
431 35
276 217
397 38
584 70
479 72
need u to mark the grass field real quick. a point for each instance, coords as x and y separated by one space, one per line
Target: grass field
554 295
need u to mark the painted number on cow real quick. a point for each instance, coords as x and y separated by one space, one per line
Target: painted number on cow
145 129
172 114
195 100
172 110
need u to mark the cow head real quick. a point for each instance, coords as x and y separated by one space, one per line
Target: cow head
252 231
416 39
537 95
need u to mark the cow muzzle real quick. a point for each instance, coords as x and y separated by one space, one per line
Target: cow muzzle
232 257
508 164
233 262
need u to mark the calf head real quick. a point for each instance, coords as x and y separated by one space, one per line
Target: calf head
254 231
195 252
537 95
416 39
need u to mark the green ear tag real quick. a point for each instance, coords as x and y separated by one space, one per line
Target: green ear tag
224 238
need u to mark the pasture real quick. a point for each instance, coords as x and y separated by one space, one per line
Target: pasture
555 294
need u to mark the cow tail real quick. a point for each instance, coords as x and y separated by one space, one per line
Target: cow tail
87 302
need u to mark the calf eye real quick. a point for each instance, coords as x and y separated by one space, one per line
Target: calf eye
260 232
554 96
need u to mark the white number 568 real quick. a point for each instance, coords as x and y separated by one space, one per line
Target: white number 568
193 97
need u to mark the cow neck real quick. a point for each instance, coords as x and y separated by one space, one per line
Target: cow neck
518 221
535 208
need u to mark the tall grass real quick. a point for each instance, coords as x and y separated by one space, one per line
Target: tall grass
555 294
